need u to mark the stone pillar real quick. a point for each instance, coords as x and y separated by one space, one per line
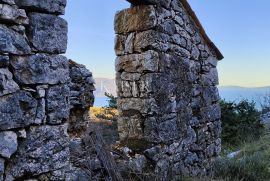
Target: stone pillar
167 96
35 96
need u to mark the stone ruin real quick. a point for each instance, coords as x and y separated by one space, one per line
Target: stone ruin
41 91
167 87
167 96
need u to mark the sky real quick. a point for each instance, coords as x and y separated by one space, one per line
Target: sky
239 28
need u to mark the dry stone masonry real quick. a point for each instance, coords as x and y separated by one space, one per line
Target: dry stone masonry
166 75
166 79
40 91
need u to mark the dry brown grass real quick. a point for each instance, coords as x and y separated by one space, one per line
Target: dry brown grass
95 111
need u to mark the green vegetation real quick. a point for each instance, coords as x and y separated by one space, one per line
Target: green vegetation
242 131
240 123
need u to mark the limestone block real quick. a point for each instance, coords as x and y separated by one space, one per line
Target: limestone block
17 110
161 132
211 113
48 33
210 95
13 15
41 112
57 104
143 87
210 78
176 5
130 127
182 52
213 61
13 42
151 40
44 150
167 27
130 20
7 84
195 53
46 6
179 40
145 62
144 106
119 45
40 69
8 146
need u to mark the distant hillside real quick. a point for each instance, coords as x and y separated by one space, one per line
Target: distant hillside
235 93
229 93
104 85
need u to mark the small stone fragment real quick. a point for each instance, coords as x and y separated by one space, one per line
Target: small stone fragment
8 146
7 84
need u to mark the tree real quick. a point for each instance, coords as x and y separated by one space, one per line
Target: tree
240 122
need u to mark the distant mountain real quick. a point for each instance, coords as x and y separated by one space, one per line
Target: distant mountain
229 93
104 85
236 93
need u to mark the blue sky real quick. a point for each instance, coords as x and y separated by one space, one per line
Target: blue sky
240 29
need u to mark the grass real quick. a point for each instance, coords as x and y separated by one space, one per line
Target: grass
252 164
105 119
96 111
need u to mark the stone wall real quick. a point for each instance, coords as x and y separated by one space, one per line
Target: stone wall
166 79
40 91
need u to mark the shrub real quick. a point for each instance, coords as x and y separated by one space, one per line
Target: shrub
112 100
240 122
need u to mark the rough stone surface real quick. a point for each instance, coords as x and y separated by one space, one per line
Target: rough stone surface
40 69
12 42
167 95
35 84
17 110
130 20
11 14
9 143
44 150
7 84
47 6
81 86
47 33
57 104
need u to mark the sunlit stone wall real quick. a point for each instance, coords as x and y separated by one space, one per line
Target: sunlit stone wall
167 88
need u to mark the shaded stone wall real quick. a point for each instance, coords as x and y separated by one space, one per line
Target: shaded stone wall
40 91
166 80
